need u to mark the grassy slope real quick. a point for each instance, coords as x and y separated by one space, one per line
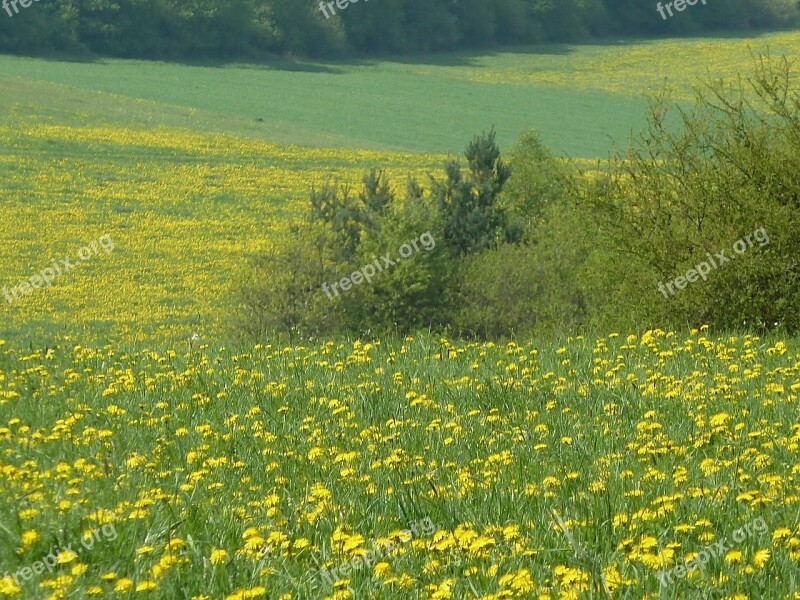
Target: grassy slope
577 96
381 106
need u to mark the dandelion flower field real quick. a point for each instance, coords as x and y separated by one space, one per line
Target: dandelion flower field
570 471
184 209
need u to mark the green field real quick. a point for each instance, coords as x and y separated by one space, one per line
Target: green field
384 106
580 97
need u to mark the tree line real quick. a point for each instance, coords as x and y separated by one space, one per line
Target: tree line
184 29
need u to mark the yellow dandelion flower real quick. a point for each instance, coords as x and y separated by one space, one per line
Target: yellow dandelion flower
29 538
66 556
781 533
123 585
146 586
254 592
761 557
734 557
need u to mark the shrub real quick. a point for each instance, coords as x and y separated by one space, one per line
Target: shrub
536 183
534 288
281 291
414 293
732 166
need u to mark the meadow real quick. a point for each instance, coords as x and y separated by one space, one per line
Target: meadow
574 470
580 468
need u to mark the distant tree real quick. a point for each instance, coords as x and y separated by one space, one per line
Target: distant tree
476 21
430 26
246 28
378 27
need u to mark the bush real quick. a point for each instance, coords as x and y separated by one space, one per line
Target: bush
732 166
537 183
281 292
534 288
413 294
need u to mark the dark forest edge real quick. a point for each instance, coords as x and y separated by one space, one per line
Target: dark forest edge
246 29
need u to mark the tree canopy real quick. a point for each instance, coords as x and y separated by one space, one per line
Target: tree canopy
182 29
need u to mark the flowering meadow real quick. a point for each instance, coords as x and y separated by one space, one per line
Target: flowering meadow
147 453
184 209
576 470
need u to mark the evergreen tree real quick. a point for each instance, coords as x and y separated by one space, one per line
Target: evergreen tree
467 203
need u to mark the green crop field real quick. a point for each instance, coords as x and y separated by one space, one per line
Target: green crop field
383 106
580 97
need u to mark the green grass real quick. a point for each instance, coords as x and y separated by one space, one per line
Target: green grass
385 106
371 107
642 446
580 97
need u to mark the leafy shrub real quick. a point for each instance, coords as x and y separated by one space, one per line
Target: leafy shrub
414 293
537 182
281 290
732 166
529 288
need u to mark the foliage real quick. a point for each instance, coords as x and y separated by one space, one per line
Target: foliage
459 214
536 287
535 185
250 28
730 168
281 291
471 219
415 293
